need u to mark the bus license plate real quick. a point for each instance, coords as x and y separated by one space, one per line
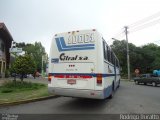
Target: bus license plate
71 81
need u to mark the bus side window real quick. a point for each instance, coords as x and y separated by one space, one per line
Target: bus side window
117 63
113 59
109 54
104 50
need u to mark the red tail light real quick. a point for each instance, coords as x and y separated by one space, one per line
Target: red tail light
49 78
99 78
73 76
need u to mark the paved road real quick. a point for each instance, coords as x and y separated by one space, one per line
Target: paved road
129 98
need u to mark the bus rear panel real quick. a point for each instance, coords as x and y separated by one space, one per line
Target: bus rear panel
76 65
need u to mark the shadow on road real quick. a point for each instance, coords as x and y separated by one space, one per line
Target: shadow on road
84 104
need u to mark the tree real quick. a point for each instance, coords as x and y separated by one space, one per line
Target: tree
151 55
22 44
23 65
146 58
119 48
36 50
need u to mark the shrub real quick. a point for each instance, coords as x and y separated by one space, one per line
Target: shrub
13 86
6 90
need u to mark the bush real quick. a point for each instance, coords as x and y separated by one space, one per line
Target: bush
20 86
6 90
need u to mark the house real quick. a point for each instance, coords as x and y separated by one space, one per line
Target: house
5 44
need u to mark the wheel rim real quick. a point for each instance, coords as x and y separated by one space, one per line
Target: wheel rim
154 84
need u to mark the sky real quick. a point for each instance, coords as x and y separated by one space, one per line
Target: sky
38 20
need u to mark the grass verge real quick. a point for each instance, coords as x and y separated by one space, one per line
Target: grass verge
17 91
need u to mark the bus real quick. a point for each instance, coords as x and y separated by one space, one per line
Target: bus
82 65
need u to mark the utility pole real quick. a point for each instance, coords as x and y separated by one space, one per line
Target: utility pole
128 61
43 60
42 65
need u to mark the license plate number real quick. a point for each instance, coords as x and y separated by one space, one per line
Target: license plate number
71 81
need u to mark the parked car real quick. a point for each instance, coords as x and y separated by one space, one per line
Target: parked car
14 75
18 75
147 79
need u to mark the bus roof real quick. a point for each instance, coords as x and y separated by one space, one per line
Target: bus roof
76 31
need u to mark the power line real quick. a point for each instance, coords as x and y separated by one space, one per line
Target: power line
141 24
142 21
149 24
120 33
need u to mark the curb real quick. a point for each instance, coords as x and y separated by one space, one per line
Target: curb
27 101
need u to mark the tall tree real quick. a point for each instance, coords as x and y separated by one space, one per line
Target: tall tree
151 55
36 50
23 65
146 58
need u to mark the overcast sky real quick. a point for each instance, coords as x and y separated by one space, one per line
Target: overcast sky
38 20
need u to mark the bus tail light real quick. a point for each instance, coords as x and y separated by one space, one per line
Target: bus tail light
49 78
99 78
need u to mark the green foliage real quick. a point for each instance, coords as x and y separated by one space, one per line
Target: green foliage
36 50
20 86
23 65
18 94
146 58
6 90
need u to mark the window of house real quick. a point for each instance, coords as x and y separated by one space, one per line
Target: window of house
2 47
4 66
0 66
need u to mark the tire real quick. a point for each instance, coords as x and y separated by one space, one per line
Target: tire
136 82
112 92
154 84
111 95
118 84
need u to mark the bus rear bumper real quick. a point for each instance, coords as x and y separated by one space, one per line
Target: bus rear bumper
93 94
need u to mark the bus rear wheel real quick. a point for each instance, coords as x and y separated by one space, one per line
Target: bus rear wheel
112 92
118 84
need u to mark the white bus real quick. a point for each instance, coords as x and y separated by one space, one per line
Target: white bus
81 64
